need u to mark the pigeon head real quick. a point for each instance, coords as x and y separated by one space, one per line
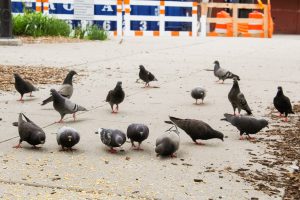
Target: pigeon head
264 123
17 76
279 90
119 84
216 62
38 138
235 81
142 67
42 138
72 73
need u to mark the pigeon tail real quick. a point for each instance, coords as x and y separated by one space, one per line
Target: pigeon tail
48 100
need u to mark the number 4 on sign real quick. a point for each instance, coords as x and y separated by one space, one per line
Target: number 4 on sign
107 8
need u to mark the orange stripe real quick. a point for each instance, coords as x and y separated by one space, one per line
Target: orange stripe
38 1
155 33
115 33
127 10
221 26
138 33
162 3
45 1
194 12
195 3
162 12
190 33
46 8
255 27
38 9
119 2
175 33
119 10
126 1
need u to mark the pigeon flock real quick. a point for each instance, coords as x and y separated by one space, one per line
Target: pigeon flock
168 143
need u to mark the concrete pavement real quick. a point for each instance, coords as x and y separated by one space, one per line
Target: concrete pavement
178 63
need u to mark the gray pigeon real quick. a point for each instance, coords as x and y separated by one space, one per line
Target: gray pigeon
67 137
66 89
222 73
146 76
246 124
112 138
237 99
168 143
23 86
137 133
64 106
115 96
196 129
29 132
198 93
283 104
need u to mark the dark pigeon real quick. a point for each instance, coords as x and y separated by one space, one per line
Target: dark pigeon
146 76
168 143
223 74
66 89
23 86
246 124
112 138
115 96
29 132
196 129
283 104
67 137
198 93
237 99
137 133
64 106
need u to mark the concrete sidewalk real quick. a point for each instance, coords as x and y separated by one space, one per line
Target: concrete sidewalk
178 63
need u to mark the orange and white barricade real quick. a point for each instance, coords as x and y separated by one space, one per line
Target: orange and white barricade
222 28
255 28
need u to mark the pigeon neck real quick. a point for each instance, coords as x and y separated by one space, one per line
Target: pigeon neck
280 93
217 66
68 79
236 85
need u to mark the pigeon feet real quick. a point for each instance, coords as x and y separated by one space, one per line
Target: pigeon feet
21 100
173 155
285 119
241 138
17 146
35 147
60 121
250 138
112 150
31 95
138 149
199 143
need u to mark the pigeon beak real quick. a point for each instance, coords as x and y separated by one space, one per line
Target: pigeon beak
43 142
267 126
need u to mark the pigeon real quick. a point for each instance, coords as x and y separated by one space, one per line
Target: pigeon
196 129
115 96
64 106
168 143
29 132
112 138
237 99
23 86
283 104
246 124
67 137
66 89
146 76
198 93
222 73
137 133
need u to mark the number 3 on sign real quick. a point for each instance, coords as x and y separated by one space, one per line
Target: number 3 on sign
143 26
106 25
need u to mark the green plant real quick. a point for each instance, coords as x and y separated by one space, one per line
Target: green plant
37 24
79 32
96 33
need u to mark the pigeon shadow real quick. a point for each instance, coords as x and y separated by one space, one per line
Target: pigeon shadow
30 99
71 121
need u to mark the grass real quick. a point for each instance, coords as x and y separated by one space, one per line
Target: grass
37 24
96 33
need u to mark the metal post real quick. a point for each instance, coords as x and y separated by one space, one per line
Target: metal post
5 19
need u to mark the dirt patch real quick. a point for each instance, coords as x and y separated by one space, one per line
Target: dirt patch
281 171
47 40
36 75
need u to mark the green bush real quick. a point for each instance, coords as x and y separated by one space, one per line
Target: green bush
96 33
37 24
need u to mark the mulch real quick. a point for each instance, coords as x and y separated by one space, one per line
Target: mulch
39 75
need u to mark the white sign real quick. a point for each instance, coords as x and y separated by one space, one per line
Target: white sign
84 9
